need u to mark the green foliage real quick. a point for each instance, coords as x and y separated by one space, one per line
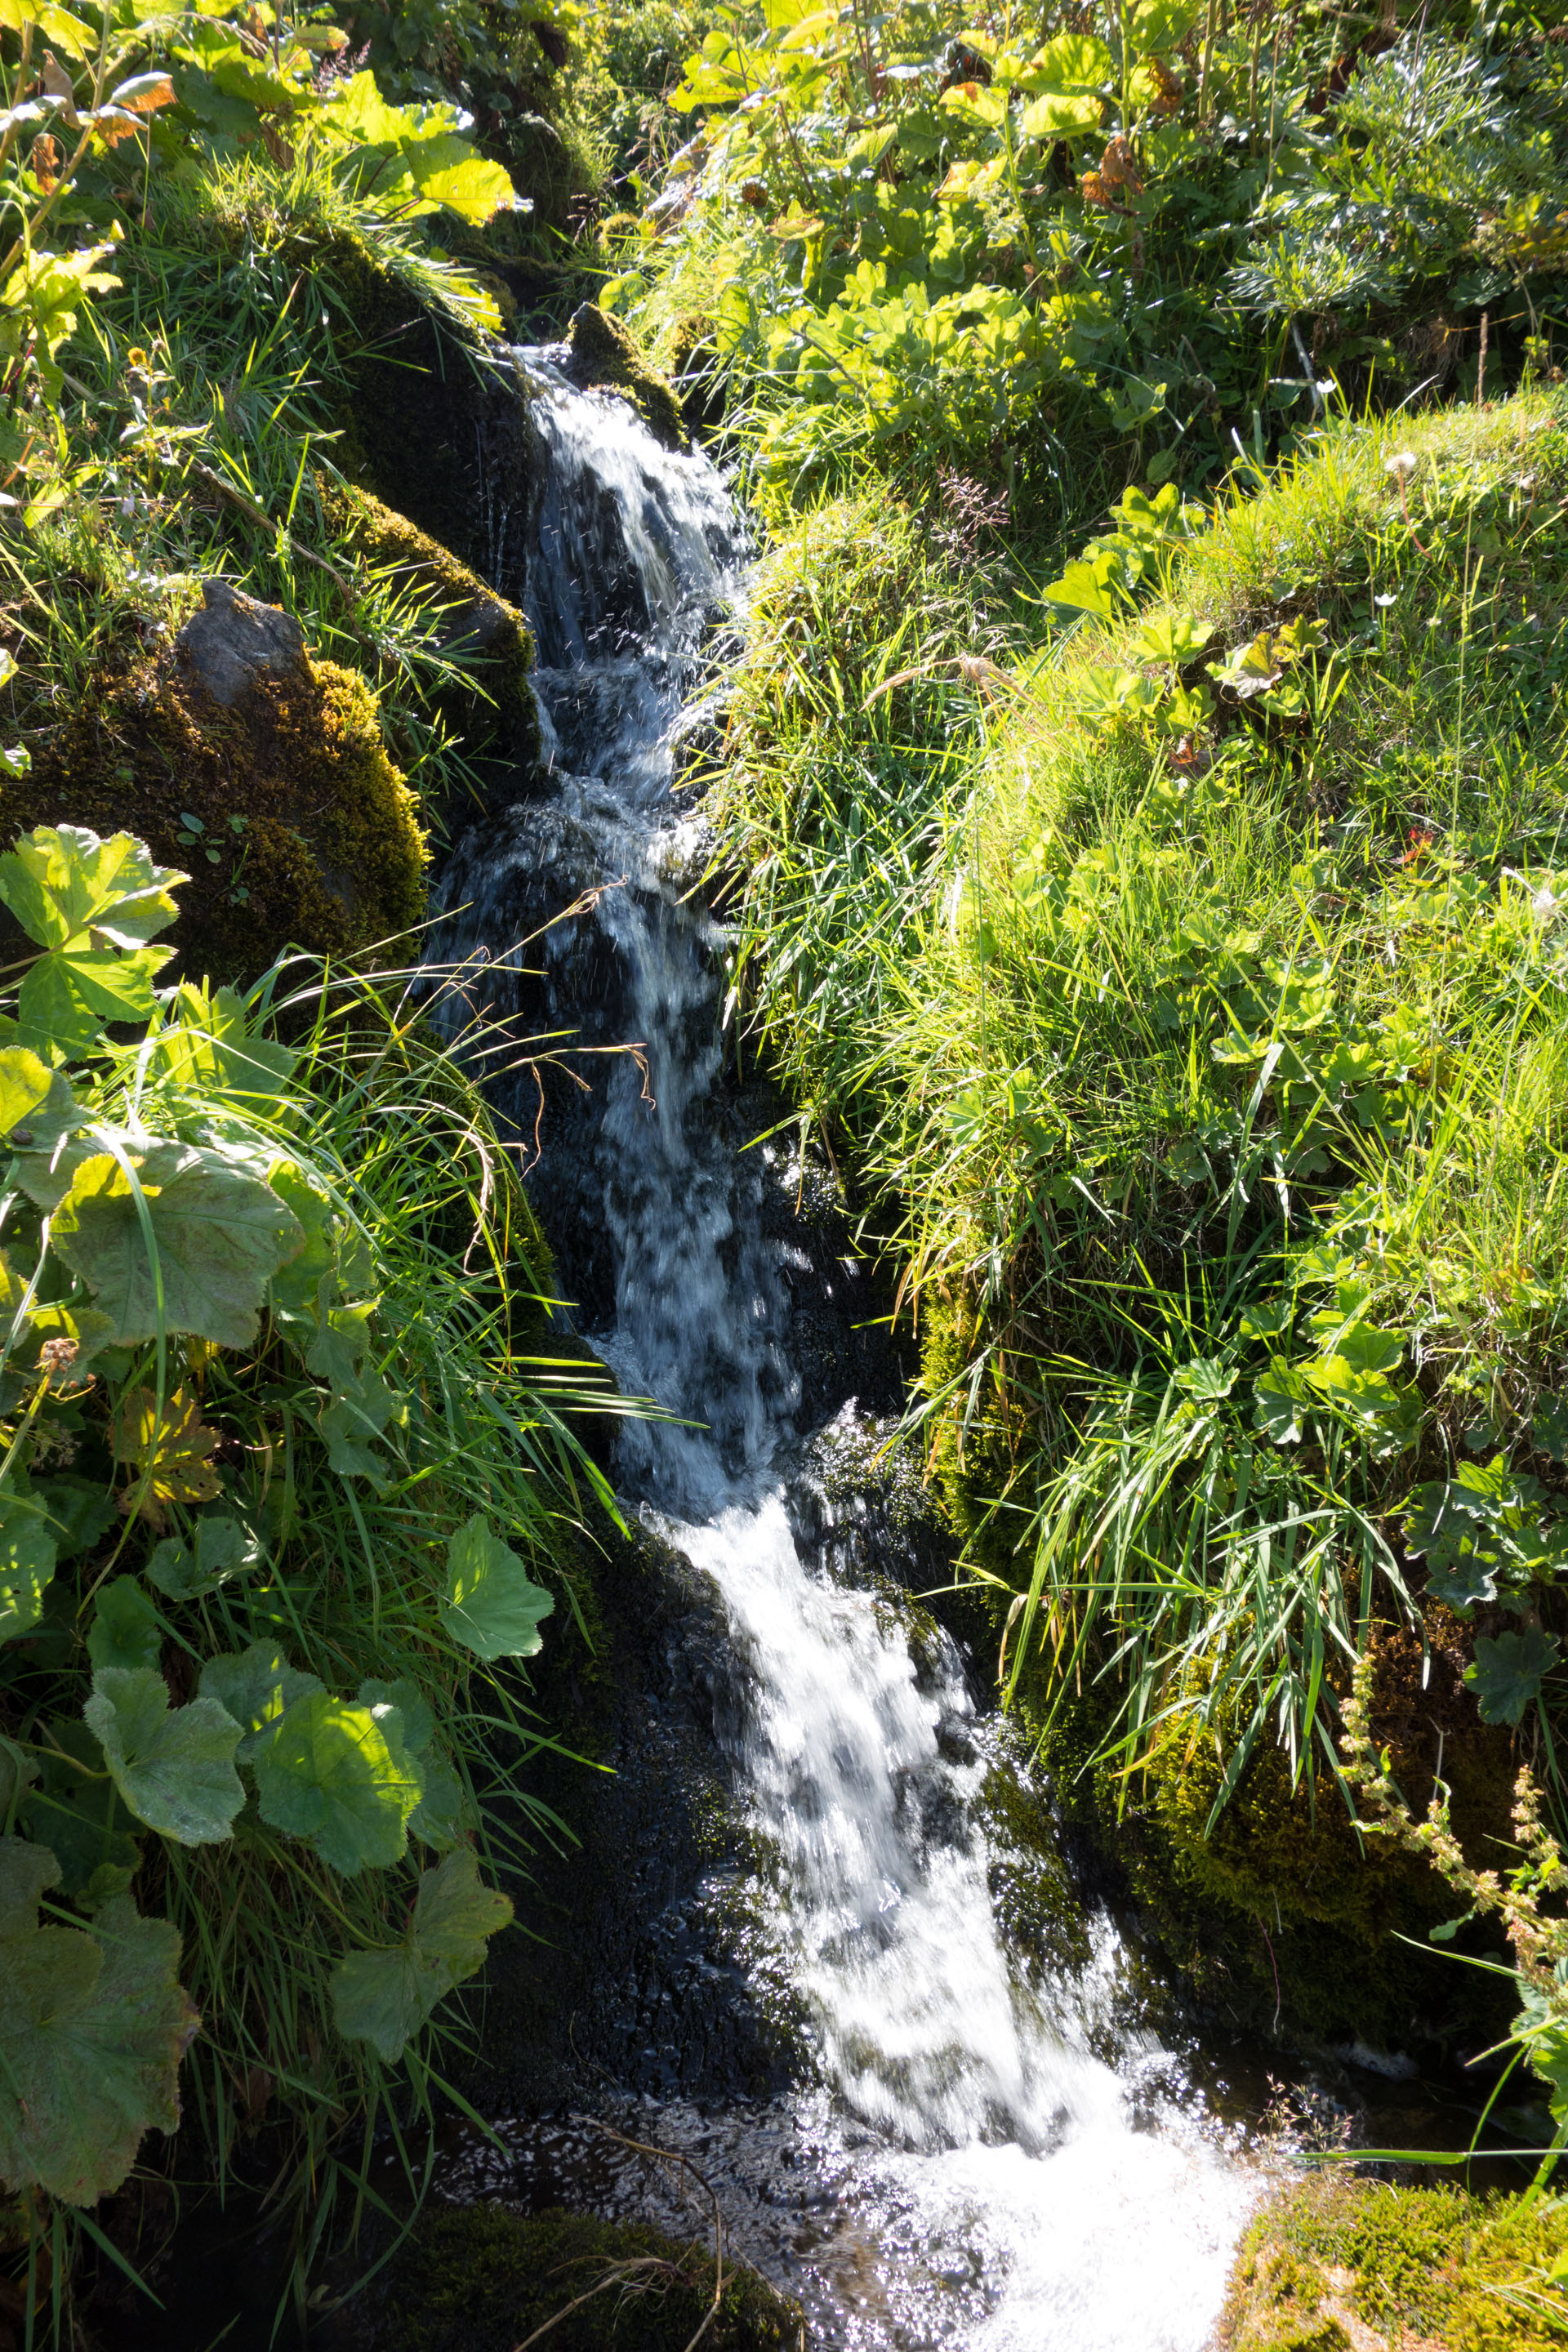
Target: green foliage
929 245
93 2030
1206 1067
492 1606
225 1239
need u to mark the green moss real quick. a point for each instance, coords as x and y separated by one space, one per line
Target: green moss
492 707
606 354
316 833
478 2279
1344 2262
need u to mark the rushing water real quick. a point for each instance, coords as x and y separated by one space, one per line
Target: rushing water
976 2170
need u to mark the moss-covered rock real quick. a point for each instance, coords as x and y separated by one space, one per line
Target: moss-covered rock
306 833
491 704
479 2279
605 356
1347 2265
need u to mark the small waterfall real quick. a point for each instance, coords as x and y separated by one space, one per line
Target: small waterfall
1003 2187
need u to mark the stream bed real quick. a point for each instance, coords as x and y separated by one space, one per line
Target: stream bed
979 2148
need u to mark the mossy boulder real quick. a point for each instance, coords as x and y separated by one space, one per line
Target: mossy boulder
305 833
479 2279
604 355
1341 2265
491 704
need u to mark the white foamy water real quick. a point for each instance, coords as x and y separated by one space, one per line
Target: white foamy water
973 2174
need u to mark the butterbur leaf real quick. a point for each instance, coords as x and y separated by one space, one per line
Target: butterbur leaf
125 1631
172 1454
1506 1675
296 1287
173 1766
62 881
92 2030
27 1556
220 1234
224 1547
255 1686
383 1997
329 1774
492 1604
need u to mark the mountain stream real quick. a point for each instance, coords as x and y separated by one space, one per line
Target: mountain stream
987 2154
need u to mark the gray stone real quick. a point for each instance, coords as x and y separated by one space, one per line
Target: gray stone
234 640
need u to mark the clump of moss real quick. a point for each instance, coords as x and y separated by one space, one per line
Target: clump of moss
307 835
1346 2265
479 2279
492 705
605 355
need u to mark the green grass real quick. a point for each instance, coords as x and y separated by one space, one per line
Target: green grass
1149 1059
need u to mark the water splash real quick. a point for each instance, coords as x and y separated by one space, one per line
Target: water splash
994 2182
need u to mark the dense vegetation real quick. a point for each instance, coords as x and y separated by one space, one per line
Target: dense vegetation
1143 796
1141 802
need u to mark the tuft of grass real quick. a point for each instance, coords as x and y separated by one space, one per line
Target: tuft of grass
1210 1084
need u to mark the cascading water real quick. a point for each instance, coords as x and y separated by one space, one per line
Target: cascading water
973 2170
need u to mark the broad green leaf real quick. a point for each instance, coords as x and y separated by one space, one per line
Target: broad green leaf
441 1816
1060 114
1072 61
1548 1430
492 1604
173 1766
27 1556
1543 2030
68 995
220 1235
255 1686
1279 1401
413 1709
79 1511
1206 1378
77 1811
92 2030
1506 1675
172 1452
24 1084
329 1774
1084 587
47 1163
224 1547
60 881
125 1631
383 1997
1171 638
296 1287
206 1044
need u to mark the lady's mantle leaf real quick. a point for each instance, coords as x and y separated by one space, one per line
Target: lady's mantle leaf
331 1773
224 1547
492 1606
220 1234
125 1631
92 2030
255 1686
1507 1673
173 1766
383 1997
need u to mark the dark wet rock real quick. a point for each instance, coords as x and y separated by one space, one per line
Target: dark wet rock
602 354
641 1965
233 640
479 2279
